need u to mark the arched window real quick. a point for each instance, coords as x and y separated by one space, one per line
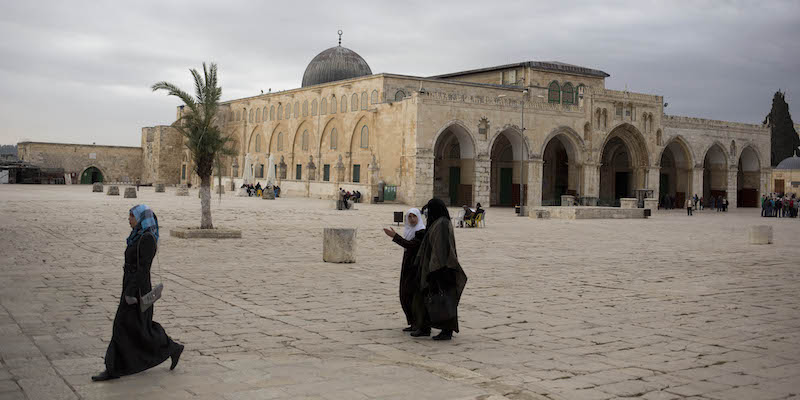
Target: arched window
333 105
323 106
264 114
399 95
334 139
364 100
297 109
644 121
288 111
733 148
238 115
280 112
344 104
314 107
272 113
305 108
280 139
258 115
374 97
354 102
659 139
568 94
618 110
252 115
258 143
304 141
554 93
364 137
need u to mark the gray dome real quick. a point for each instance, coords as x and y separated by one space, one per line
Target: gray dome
335 64
792 162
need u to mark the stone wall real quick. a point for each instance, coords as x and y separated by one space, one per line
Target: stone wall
162 152
117 163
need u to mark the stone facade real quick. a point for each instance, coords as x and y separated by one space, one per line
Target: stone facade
161 148
116 163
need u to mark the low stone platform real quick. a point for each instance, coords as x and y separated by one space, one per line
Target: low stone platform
197 233
588 213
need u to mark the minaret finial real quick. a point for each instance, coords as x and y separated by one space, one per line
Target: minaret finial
340 37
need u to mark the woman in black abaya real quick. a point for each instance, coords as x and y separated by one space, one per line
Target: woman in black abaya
411 239
137 342
439 268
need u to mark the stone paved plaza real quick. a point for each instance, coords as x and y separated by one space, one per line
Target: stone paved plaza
663 308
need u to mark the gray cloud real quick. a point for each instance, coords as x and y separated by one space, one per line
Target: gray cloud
81 71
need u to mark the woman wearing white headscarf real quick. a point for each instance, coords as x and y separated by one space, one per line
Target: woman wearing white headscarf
412 237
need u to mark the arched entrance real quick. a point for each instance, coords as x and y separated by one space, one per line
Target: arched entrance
91 175
715 174
454 166
675 178
624 159
559 170
748 179
506 156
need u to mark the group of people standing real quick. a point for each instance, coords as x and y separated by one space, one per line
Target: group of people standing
785 206
257 190
431 278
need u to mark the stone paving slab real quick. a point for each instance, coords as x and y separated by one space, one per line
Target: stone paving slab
667 307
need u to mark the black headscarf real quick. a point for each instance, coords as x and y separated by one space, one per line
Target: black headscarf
434 210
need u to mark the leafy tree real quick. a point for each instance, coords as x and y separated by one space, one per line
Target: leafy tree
202 134
784 140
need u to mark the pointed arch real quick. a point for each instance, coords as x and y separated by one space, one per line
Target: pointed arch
464 134
575 146
521 148
684 145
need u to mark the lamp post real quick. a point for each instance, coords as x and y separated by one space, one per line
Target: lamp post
523 166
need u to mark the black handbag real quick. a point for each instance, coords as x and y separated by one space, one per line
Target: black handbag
440 306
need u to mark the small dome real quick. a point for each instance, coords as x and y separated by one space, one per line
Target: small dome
335 64
792 162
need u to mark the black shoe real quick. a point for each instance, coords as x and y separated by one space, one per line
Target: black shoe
176 355
409 329
444 335
103 376
421 332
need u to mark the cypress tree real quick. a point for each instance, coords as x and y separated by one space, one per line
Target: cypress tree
784 139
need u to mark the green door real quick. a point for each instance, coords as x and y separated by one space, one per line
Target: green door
506 186
455 182
91 175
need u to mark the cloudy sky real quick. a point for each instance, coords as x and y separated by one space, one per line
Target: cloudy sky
80 72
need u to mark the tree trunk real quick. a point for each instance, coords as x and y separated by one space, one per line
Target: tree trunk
205 202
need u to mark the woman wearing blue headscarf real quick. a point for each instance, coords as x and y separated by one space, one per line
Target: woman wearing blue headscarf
137 342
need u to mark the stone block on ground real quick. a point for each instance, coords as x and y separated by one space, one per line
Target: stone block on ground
760 234
339 245
651 204
160 188
130 193
97 187
628 202
268 193
567 200
183 190
197 233
113 191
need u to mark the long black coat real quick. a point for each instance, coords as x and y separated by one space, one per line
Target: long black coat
137 342
409 277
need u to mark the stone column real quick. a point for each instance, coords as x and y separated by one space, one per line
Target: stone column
697 183
764 183
423 173
733 170
535 183
311 171
480 188
574 176
372 178
339 176
591 183
654 180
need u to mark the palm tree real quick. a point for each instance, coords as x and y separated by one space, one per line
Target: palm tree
199 126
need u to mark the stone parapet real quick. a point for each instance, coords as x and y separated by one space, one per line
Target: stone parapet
628 202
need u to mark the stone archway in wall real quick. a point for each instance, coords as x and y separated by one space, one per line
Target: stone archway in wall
715 174
748 179
560 171
91 175
507 152
675 175
624 161
454 166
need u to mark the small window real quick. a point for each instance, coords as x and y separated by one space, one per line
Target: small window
305 108
554 93
618 109
258 143
400 95
288 111
334 139
344 104
374 99
264 115
305 141
356 173
272 113
364 137
568 94
183 171
260 171
326 172
258 115
238 115
354 102
252 115
280 111
323 107
314 107
297 109
298 174
364 101
333 105
280 140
